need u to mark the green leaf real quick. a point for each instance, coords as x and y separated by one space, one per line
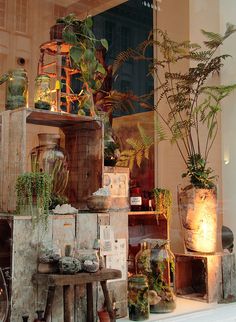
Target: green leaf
104 43
69 36
101 69
89 22
88 55
76 53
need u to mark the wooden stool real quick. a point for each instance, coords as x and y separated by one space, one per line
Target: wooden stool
68 282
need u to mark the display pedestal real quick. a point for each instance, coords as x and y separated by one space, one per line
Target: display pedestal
207 278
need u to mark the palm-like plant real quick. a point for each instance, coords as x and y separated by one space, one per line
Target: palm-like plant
192 104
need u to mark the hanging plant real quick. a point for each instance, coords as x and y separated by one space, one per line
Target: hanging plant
33 196
163 201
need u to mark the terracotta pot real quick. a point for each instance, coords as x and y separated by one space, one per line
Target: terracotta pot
198 214
103 316
99 203
56 31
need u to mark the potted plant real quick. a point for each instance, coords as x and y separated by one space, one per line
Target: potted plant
163 201
33 196
192 105
83 43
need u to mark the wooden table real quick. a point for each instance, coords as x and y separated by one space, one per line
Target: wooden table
68 282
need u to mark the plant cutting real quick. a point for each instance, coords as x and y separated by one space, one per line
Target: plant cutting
79 35
33 196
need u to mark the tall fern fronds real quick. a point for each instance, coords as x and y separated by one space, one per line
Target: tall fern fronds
140 149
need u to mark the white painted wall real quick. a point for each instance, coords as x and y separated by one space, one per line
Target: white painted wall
228 133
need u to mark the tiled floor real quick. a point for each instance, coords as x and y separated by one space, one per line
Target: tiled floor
194 311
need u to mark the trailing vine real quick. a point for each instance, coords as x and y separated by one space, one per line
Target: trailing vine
163 201
34 189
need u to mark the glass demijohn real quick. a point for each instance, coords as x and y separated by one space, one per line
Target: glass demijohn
17 89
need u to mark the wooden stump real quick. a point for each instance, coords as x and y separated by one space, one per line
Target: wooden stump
198 214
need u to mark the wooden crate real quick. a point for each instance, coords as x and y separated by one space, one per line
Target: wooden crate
205 278
83 142
117 180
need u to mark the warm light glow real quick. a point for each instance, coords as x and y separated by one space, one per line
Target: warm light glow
226 156
202 218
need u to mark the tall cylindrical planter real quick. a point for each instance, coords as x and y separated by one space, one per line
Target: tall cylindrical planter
198 214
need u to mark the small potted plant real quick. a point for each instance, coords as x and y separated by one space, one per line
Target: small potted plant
33 196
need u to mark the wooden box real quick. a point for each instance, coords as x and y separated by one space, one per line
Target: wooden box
83 140
117 180
205 278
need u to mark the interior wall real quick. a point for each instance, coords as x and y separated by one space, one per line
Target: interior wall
174 18
228 76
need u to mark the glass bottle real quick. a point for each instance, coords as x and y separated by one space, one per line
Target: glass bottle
25 318
161 296
39 317
17 89
42 95
136 199
49 157
138 298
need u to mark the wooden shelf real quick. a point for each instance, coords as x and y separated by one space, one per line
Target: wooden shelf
147 213
57 119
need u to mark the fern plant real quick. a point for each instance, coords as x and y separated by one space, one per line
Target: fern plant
192 104
139 150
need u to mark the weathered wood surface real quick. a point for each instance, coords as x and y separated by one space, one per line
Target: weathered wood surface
218 273
83 140
84 144
228 278
68 281
77 279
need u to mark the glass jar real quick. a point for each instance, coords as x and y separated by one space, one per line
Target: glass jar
17 89
161 296
49 157
42 96
142 259
138 298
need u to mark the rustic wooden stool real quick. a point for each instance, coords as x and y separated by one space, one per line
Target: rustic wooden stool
68 282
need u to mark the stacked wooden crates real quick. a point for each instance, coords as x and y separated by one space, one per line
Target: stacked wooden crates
83 140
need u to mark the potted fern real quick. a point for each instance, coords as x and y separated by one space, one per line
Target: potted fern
33 191
192 105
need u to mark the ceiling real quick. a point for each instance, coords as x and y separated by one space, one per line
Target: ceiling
88 7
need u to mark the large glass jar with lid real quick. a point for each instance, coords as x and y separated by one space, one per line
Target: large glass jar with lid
138 298
161 295
156 261
49 157
42 94
17 89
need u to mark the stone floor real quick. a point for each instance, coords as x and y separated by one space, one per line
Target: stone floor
194 311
